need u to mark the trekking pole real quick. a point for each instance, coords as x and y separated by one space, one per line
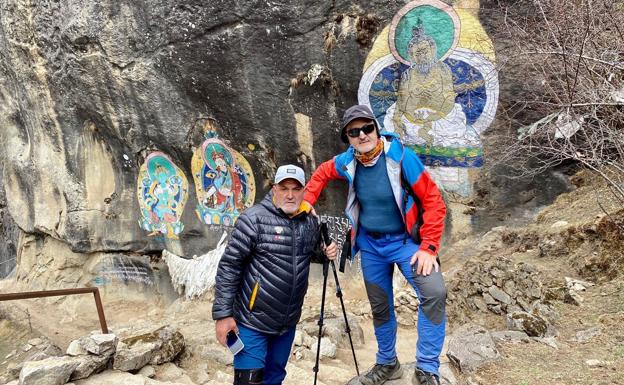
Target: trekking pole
321 317
325 233
344 313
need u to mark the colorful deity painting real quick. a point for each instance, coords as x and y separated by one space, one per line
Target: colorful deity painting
224 182
430 78
162 190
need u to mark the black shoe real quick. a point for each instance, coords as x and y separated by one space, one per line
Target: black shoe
381 373
425 378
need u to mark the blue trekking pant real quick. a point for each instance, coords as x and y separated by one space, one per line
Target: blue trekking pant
266 351
379 254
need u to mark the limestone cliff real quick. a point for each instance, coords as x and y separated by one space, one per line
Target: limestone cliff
89 89
130 127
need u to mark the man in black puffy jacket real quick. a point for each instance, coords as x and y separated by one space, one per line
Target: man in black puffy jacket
263 277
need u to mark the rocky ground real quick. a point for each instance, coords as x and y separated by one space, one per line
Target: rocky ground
533 304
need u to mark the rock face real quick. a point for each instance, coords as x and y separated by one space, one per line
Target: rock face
100 86
106 108
9 233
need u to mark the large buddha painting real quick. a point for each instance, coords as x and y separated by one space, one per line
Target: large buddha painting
430 78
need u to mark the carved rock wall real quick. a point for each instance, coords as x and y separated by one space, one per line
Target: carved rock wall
90 91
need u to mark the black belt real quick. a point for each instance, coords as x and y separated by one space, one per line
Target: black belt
377 235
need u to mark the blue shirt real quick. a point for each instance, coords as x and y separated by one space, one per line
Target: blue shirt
378 209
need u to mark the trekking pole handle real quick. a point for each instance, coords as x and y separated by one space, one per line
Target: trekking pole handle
325 233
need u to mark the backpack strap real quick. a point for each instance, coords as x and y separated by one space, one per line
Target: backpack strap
419 220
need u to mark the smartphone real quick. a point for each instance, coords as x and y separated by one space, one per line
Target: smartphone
234 343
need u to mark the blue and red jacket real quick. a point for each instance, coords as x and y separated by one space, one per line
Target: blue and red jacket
402 164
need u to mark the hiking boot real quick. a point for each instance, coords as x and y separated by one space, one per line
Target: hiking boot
425 378
381 373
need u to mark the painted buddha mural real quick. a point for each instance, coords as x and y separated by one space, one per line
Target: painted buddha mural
162 191
224 182
430 78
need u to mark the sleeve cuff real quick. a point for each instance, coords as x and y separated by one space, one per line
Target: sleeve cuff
220 315
429 247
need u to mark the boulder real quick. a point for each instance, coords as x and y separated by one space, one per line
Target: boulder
134 356
328 348
510 336
577 284
594 363
155 347
113 378
298 340
550 341
89 364
335 329
75 348
499 295
170 372
217 354
147 371
572 297
172 344
471 348
50 371
585 336
100 344
533 325
39 352
36 341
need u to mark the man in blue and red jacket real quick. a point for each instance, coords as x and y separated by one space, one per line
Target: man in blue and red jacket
397 217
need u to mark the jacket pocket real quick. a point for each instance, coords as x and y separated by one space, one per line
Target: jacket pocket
254 294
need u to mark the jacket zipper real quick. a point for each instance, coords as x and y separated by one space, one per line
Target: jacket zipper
254 294
294 265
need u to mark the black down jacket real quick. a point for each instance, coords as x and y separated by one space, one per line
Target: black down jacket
269 254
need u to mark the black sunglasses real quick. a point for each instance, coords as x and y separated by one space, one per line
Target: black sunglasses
355 132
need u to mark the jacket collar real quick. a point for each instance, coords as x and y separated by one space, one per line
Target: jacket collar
393 148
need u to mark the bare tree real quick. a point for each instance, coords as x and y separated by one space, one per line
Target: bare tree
568 57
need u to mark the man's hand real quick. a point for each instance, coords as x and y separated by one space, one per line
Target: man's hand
331 251
426 262
223 327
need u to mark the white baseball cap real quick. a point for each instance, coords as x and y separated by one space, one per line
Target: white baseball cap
290 171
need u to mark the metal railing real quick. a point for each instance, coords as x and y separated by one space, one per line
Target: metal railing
62 292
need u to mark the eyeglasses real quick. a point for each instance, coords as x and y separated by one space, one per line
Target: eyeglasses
367 129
